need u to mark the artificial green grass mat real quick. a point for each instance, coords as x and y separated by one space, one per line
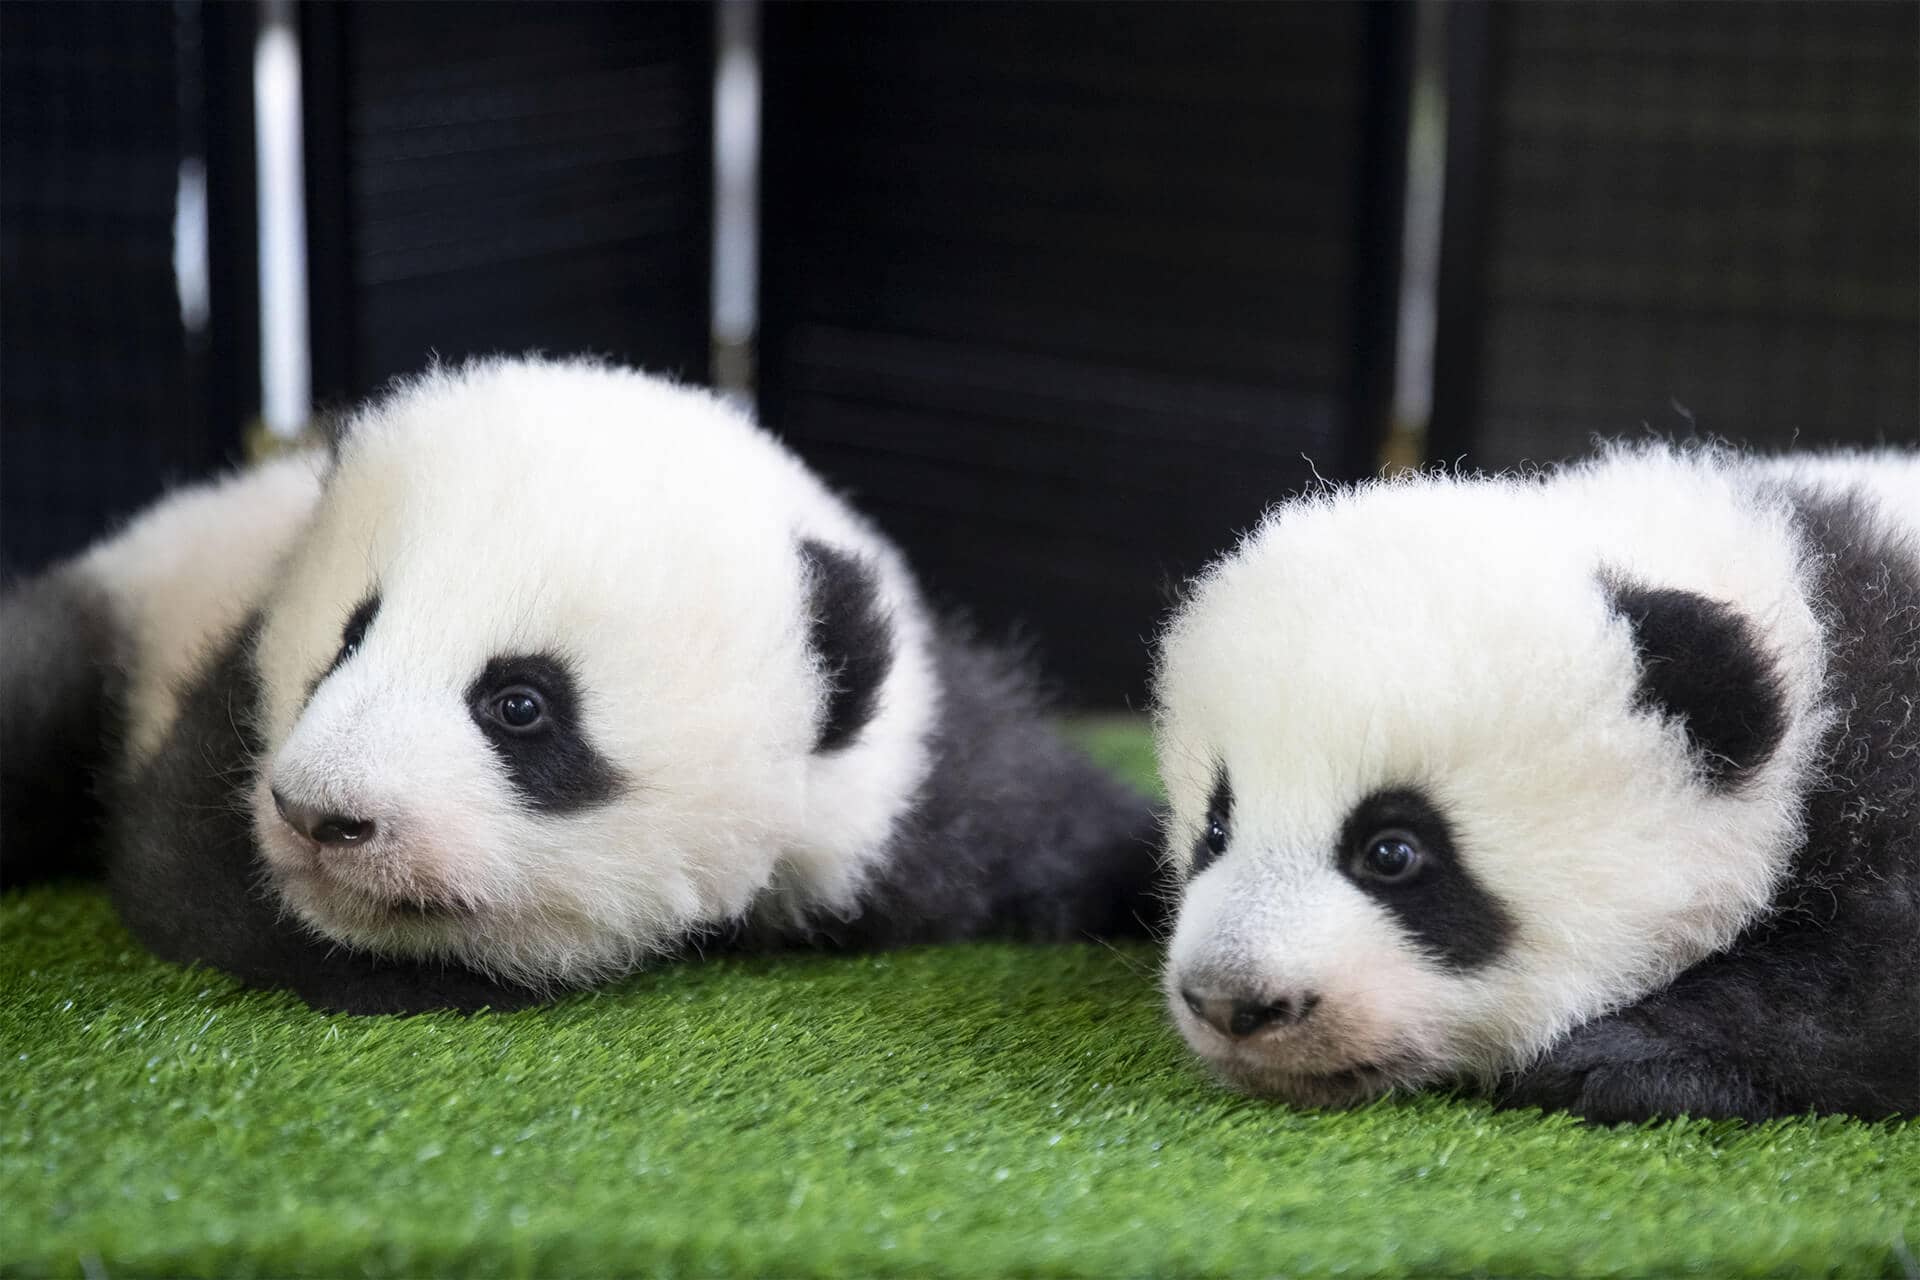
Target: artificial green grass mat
966 1111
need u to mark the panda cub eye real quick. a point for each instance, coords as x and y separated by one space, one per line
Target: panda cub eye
529 708
520 709
1393 856
355 630
1218 826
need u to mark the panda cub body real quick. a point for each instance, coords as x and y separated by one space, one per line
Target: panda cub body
551 668
1598 789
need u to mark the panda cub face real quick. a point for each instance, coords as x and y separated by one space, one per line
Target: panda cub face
1445 783
567 664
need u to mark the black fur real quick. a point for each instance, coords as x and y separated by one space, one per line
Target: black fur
852 637
185 876
1015 833
554 766
1816 1007
354 633
62 716
1447 912
1704 664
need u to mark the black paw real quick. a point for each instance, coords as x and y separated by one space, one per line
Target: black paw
1611 1071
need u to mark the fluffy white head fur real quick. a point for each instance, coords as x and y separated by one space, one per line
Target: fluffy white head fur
645 535
1454 635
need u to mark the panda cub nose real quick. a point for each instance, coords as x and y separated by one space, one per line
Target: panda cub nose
321 827
1238 1016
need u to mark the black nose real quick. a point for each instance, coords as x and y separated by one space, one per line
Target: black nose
320 826
1238 1017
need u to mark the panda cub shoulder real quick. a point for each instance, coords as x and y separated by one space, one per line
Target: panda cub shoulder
1595 789
562 668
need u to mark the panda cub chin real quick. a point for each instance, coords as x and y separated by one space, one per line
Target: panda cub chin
1599 790
546 670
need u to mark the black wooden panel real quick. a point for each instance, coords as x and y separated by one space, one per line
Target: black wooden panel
100 393
1065 294
1709 205
491 177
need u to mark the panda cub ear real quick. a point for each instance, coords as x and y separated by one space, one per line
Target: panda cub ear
1705 665
851 635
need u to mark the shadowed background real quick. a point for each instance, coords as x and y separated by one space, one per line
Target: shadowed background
1063 295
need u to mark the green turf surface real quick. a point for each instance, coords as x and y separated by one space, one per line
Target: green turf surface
987 1110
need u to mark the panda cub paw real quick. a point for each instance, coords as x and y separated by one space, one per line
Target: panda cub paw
1612 1071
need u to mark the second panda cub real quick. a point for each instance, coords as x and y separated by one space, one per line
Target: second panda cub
1600 789
553 668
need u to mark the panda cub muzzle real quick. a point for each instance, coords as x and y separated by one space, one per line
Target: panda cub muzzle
1228 1004
1276 1011
361 853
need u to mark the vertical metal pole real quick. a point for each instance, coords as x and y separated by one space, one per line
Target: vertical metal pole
736 196
285 361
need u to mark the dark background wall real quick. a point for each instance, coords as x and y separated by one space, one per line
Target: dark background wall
1714 206
105 393
1063 294
513 176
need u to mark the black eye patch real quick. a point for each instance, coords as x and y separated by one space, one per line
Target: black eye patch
354 633
1218 827
1398 848
528 707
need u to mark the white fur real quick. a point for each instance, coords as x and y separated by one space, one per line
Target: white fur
1453 634
648 533
184 573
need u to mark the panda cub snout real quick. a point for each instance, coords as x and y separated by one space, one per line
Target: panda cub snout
1237 1010
1290 969
325 825
369 857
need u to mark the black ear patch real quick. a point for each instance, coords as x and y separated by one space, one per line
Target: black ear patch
852 636
1705 665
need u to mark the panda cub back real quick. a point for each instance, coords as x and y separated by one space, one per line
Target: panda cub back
96 652
1511 781
570 667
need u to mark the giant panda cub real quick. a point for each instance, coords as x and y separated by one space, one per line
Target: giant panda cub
549 669
1599 789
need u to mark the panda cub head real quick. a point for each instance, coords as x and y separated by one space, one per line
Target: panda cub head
569 663
1455 765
